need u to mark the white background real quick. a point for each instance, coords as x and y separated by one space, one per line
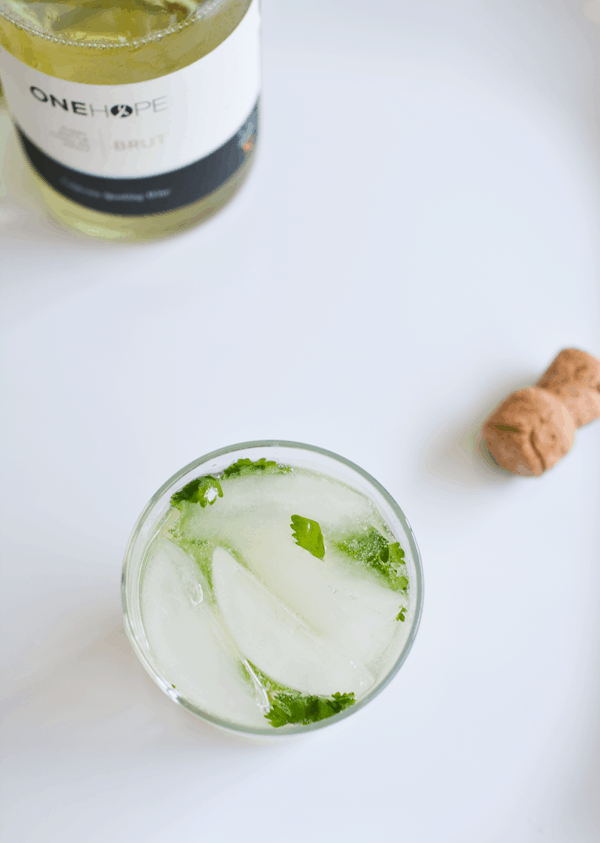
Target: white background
419 236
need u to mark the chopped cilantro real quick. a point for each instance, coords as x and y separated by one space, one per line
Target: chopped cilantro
507 427
202 490
373 550
243 467
201 552
389 563
289 707
363 546
402 614
308 535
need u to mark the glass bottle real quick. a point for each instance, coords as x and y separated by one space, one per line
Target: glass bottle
139 118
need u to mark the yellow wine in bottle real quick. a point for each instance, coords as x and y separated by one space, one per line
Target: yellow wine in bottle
140 117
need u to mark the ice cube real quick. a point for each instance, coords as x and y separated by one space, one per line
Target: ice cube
277 640
186 637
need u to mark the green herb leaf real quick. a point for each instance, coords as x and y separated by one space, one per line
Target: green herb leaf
364 547
308 535
373 550
389 563
243 467
202 490
402 614
507 427
289 707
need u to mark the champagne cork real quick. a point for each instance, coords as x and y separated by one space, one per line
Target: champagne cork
574 377
533 428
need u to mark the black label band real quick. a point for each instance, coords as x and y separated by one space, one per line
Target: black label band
148 194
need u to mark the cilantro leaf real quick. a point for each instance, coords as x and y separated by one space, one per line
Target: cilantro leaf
364 546
389 563
202 490
289 707
243 467
402 614
507 427
373 550
308 535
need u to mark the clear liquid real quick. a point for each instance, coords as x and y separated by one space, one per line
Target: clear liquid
112 42
230 602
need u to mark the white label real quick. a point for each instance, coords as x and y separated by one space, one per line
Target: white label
145 128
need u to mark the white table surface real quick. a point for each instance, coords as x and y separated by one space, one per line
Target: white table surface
420 236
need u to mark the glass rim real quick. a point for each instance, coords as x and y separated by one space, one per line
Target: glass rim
299 728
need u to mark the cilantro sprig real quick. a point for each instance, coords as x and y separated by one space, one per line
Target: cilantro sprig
308 535
290 707
244 467
202 490
374 551
389 563
205 490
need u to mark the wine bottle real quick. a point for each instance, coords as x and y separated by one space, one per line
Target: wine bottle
139 118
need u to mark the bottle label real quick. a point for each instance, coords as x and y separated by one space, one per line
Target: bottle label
146 147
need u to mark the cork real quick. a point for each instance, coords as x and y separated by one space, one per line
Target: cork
574 377
532 429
